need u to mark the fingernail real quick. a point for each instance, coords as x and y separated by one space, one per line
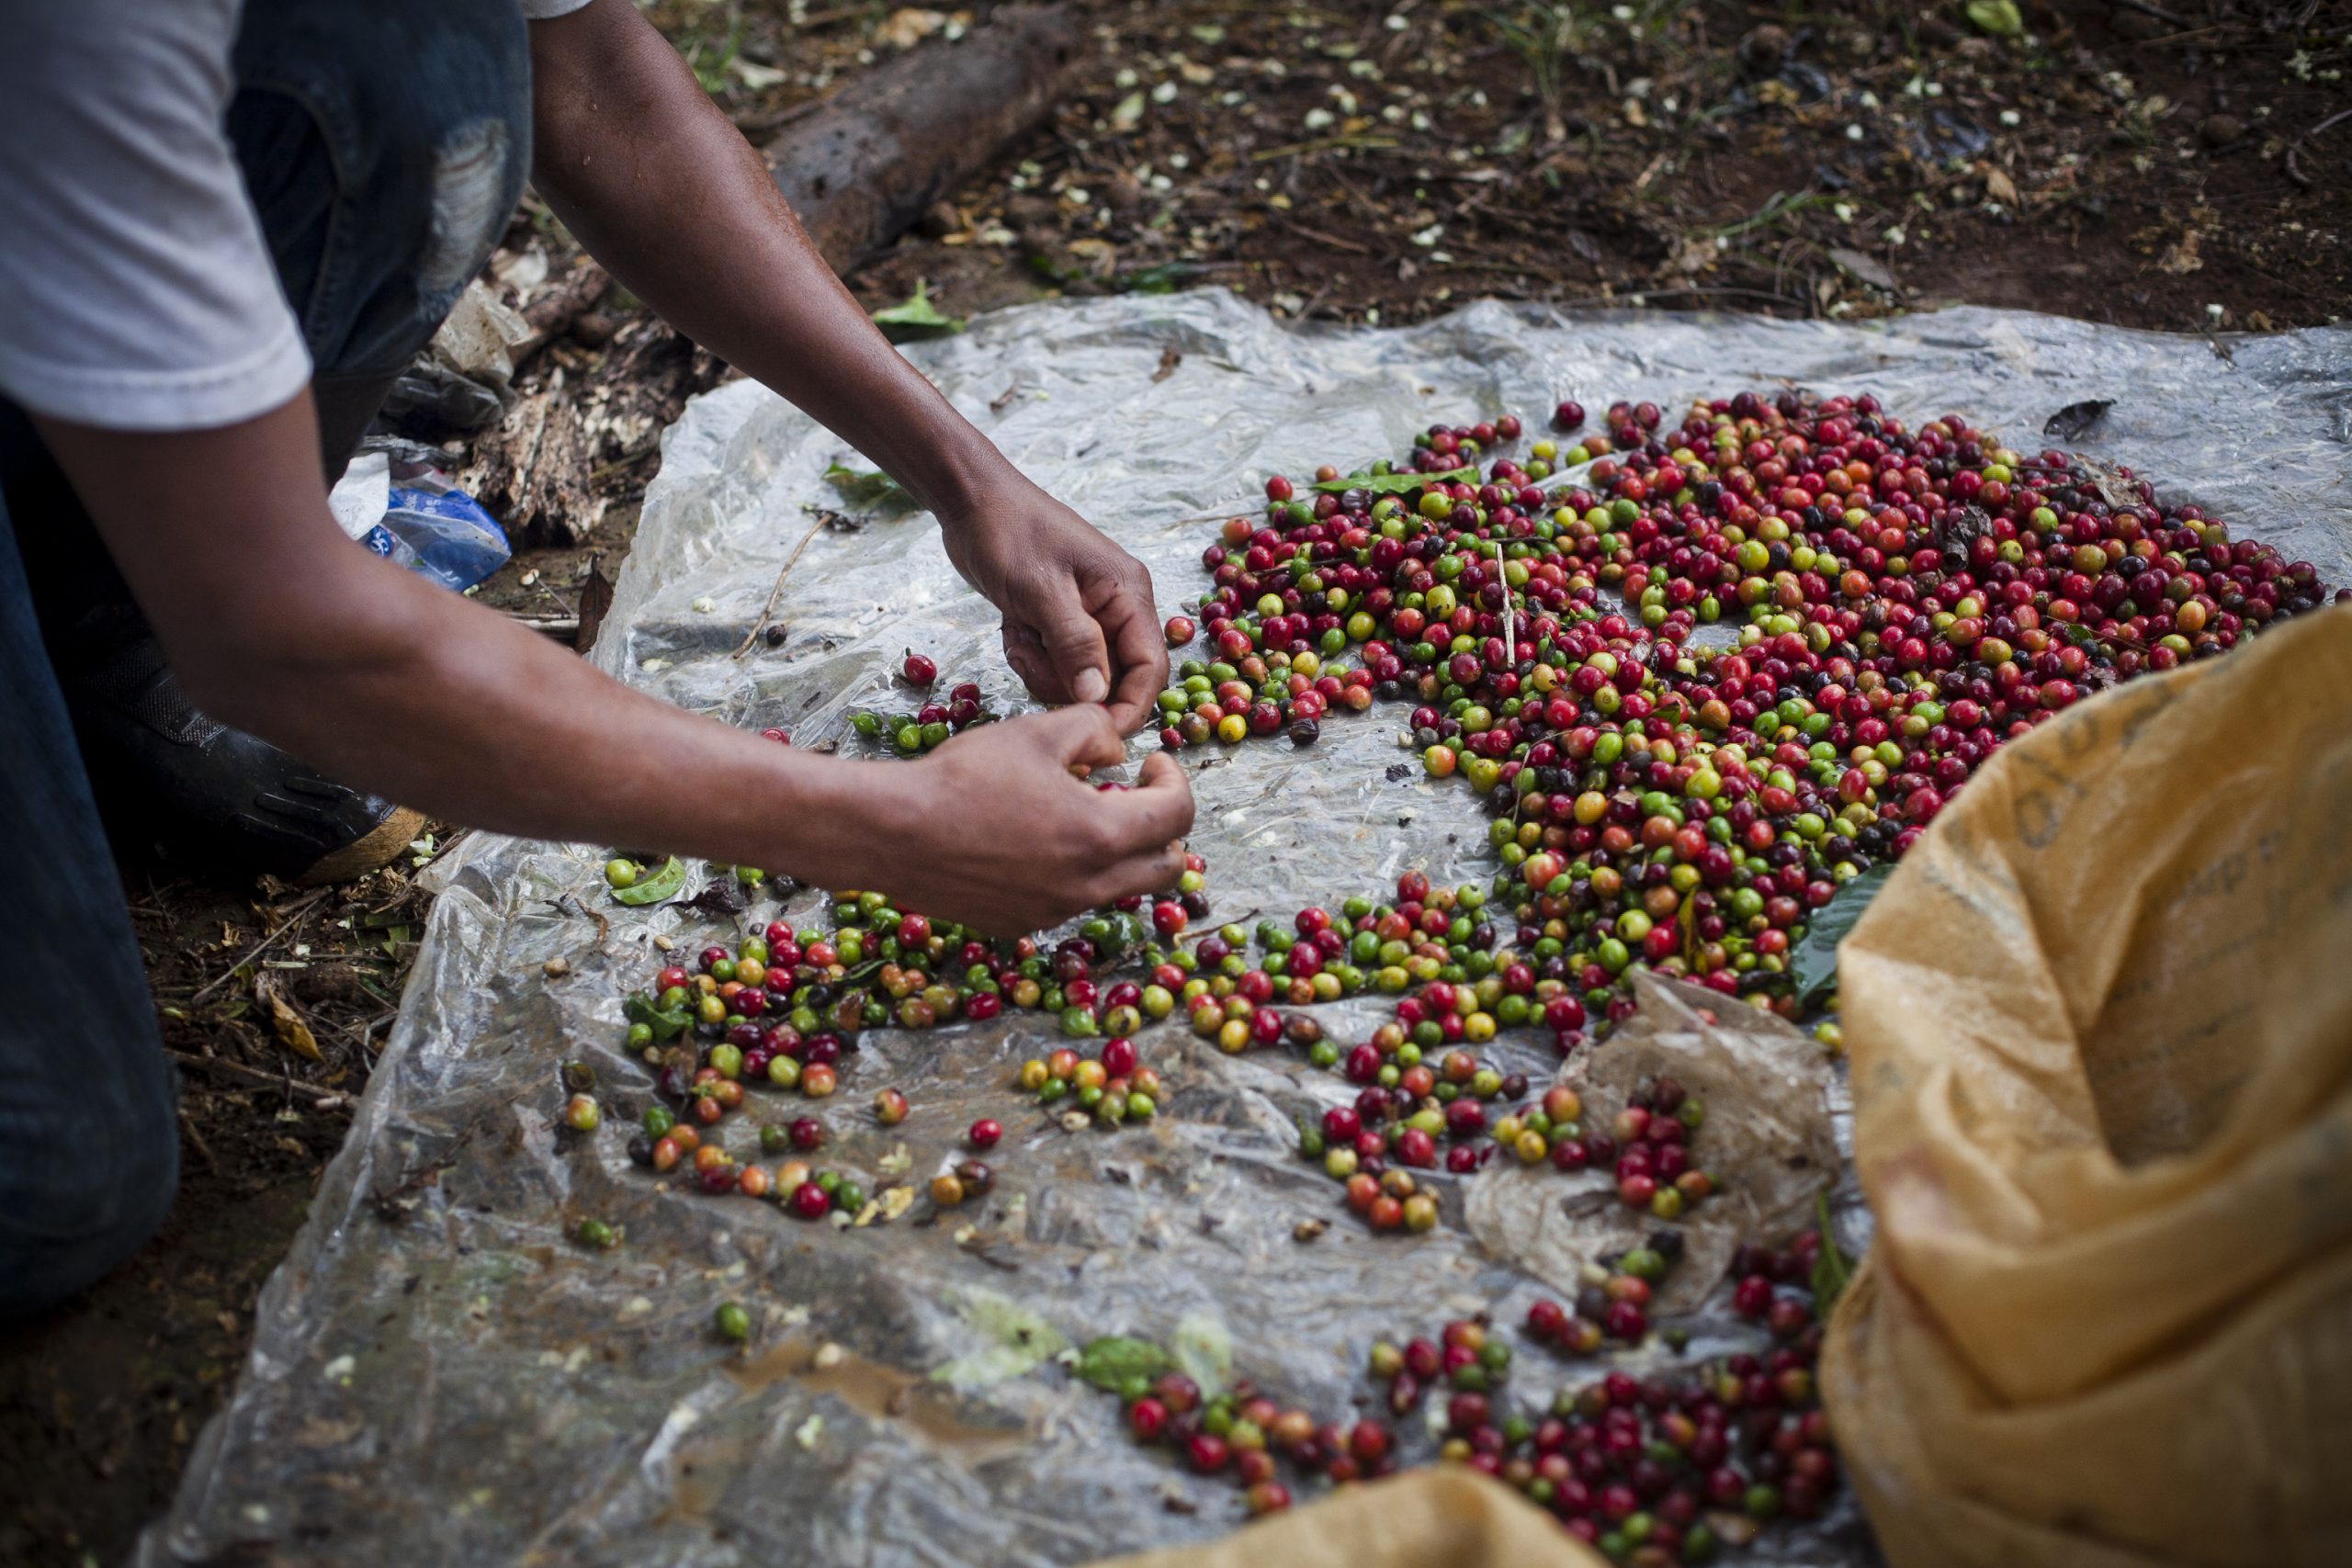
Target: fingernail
1090 686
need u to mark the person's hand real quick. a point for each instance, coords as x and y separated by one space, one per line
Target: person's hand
1080 626
993 831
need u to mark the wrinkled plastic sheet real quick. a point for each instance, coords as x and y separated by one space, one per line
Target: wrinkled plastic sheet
439 1376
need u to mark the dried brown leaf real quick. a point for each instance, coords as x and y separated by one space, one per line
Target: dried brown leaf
293 1031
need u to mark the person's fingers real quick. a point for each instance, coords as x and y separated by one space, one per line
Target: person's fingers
1027 657
1159 809
1081 733
1138 649
1074 642
1151 871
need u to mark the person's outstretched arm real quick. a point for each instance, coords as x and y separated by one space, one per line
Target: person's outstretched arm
279 624
639 163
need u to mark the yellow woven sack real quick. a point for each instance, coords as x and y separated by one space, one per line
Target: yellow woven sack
2101 1032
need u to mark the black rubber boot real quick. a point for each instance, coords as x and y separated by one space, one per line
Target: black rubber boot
168 778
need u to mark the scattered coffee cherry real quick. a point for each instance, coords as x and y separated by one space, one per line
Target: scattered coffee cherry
984 1134
890 1107
918 670
580 1113
732 1322
596 1233
947 1190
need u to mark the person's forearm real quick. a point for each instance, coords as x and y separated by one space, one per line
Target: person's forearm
369 674
641 166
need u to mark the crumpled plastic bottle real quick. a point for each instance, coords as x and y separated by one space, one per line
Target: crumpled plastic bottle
423 523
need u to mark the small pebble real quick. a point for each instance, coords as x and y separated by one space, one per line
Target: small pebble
2220 130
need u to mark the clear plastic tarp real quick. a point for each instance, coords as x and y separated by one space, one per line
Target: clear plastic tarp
439 1375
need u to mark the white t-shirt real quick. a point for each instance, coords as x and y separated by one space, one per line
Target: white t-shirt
136 291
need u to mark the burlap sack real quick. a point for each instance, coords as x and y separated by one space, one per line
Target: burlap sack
2101 1030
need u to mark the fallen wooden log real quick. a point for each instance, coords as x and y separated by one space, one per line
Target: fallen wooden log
865 166
859 169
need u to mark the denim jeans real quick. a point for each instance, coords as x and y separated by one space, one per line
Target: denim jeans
384 148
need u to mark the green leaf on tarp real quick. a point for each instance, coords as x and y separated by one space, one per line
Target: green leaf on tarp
666 1024
1814 962
917 319
1998 18
876 491
1112 1361
1832 1271
1017 1341
1395 484
660 886
1202 1346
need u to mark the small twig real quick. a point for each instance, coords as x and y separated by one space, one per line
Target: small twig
1333 241
562 608
187 1129
1367 143
2178 37
235 1069
777 591
2295 174
365 1031
604 926
563 627
293 917
2146 9
626 460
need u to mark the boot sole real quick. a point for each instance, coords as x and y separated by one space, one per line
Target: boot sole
377 848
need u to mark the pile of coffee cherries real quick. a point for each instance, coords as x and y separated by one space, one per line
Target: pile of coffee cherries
1110 1089
1651 1471
1909 598
1374 1145
785 1000
1248 1438
1666 1470
783 1009
1464 1358
1615 1304
667 1144
911 734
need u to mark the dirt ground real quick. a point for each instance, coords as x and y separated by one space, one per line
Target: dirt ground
2183 166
